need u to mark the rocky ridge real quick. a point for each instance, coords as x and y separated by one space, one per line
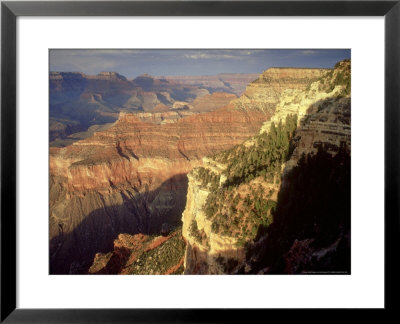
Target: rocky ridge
265 92
218 240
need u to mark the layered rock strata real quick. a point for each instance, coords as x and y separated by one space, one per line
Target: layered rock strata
212 101
131 178
266 92
321 101
205 254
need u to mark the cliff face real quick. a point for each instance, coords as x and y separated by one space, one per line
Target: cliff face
238 214
323 111
131 178
137 148
212 101
207 252
265 92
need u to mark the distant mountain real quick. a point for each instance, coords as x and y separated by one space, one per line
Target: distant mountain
78 100
224 82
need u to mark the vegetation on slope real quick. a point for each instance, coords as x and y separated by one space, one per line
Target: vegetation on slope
244 201
160 259
339 76
314 205
199 235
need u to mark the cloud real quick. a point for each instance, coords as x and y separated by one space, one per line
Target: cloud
132 62
206 56
90 52
234 54
309 52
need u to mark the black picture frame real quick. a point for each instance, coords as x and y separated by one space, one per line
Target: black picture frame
11 10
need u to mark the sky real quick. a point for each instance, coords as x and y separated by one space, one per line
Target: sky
134 62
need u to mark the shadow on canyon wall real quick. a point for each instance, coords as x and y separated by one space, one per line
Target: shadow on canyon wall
145 213
311 225
310 232
311 228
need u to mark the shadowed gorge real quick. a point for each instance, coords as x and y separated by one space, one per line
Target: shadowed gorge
311 228
74 245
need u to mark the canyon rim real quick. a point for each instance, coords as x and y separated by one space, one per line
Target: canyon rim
168 162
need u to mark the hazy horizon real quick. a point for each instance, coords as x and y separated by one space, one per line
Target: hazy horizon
166 62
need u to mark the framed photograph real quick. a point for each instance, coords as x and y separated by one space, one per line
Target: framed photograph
163 159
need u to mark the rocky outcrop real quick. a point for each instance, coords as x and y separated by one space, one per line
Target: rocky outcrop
206 252
233 197
323 111
142 254
266 92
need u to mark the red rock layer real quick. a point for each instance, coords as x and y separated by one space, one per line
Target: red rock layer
135 152
127 249
213 101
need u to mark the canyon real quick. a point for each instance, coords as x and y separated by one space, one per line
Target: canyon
120 193
79 101
237 213
131 178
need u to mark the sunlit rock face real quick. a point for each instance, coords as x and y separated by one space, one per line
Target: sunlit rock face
323 110
265 92
131 178
212 101
206 254
322 103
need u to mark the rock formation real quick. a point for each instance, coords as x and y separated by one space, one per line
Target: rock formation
235 220
265 92
142 254
131 178
226 174
212 101
79 101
